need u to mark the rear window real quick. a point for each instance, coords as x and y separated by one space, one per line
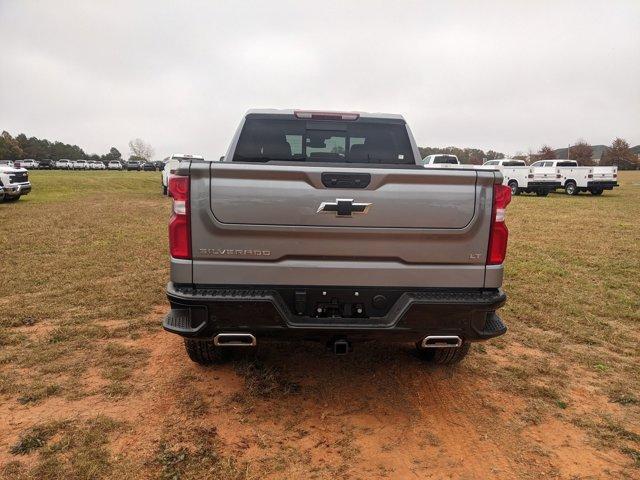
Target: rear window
264 140
514 163
566 164
446 159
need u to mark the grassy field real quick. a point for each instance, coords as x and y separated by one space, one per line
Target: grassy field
90 386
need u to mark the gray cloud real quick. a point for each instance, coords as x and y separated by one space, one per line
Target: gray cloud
503 75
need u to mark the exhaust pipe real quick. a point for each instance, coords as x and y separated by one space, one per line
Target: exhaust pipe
234 340
441 341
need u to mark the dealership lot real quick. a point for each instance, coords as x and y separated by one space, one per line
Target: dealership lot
86 374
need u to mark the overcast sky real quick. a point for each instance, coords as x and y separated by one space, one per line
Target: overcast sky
506 75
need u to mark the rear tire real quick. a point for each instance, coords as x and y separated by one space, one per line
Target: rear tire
12 199
513 185
596 191
204 352
164 191
444 356
571 188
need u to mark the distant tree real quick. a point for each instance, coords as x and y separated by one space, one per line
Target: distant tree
582 152
136 158
9 147
620 155
491 155
139 148
546 153
113 155
520 156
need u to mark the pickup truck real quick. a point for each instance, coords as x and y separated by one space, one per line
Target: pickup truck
521 178
325 226
14 182
575 179
440 160
171 163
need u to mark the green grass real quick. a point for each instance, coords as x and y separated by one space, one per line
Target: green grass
84 268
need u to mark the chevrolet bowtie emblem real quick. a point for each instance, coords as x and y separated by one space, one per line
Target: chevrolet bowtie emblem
343 207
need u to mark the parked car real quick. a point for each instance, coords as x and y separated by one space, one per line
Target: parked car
441 160
27 163
64 164
46 164
133 165
6 163
80 165
159 164
170 163
280 245
148 167
15 182
98 165
114 165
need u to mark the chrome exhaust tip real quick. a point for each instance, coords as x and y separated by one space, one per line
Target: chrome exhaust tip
234 340
441 341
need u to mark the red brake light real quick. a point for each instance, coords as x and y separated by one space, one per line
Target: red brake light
315 115
179 228
499 233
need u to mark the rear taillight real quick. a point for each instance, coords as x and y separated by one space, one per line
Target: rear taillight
499 233
179 229
615 175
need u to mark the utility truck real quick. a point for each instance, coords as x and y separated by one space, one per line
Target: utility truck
521 178
575 179
325 226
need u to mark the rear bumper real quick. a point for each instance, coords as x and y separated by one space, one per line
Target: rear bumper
544 185
603 184
280 312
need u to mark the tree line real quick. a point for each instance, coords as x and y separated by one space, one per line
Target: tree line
618 154
22 147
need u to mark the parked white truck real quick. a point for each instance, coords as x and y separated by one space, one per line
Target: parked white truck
575 179
14 182
521 178
441 160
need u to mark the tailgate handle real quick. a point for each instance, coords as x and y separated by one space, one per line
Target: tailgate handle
345 180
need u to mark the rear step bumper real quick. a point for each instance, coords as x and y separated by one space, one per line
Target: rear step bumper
316 313
604 184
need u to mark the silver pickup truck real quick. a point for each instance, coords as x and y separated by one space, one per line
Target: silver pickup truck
323 226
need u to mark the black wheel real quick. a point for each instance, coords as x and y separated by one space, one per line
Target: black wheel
444 356
205 352
513 185
12 199
596 191
542 193
571 188
164 190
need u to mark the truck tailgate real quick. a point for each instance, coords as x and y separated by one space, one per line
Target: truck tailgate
258 194
300 224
